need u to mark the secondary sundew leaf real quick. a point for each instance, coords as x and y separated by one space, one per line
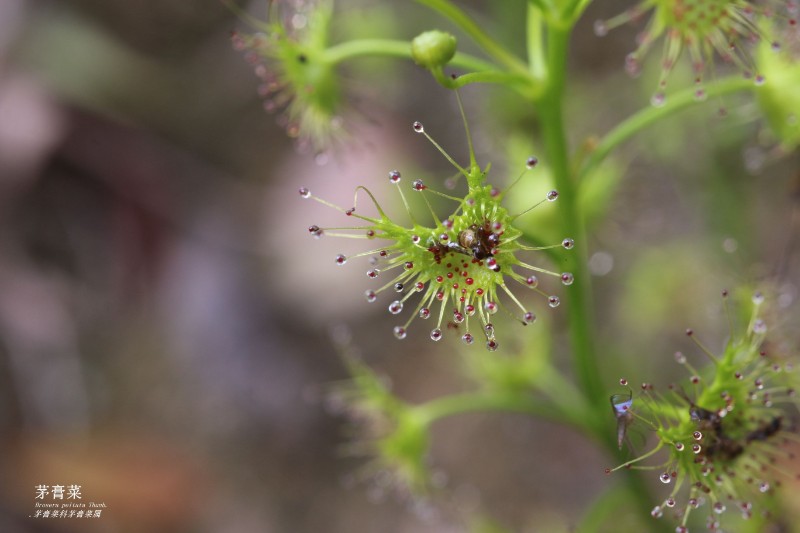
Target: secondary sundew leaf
462 266
297 79
704 28
388 431
723 437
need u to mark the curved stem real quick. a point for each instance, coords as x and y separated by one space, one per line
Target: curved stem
395 48
471 402
523 84
492 47
637 122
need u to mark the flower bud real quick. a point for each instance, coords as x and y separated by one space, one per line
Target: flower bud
433 49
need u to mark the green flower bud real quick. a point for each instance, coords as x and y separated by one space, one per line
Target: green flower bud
433 49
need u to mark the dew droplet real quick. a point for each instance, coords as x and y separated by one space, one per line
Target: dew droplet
458 317
680 358
719 507
341 259
532 281
758 298
679 446
371 296
623 382
372 274
600 28
532 161
697 435
696 448
759 327
394 176
632 66
400 332
529 318
490 307
670 502
763 486
553 301
398 287
665 477
304 192
436 334
489 329
315 231
567 278
470 309
468 338
760 80
568 243
424 313
418 127
700 94
396 307
552 195
657 512
418 185
321 158
492 345
658 99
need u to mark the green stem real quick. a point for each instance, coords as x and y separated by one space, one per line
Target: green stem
578 307
637 122
521 83
492 47
471 402
574 10
535 40
395 48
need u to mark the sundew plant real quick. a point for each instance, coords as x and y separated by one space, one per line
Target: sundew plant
506 267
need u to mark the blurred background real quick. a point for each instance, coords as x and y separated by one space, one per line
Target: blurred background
165 318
